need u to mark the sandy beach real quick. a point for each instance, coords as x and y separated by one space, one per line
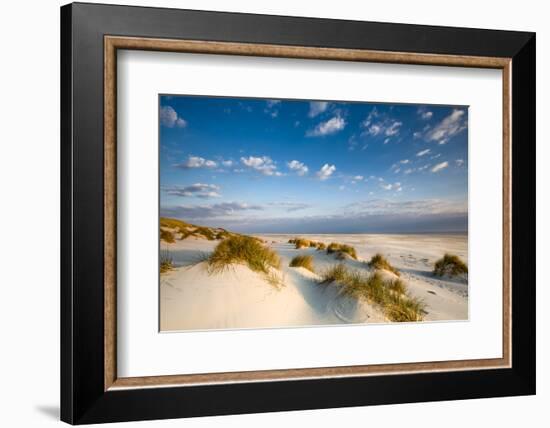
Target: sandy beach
192 298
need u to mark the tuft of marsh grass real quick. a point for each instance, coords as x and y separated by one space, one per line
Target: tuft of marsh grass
321 246
243 249
390 296
450 265
165 261
378 261
341 250
302 261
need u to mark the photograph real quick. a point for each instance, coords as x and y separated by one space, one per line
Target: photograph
263 211
294 213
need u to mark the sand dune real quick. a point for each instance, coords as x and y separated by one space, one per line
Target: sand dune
193 299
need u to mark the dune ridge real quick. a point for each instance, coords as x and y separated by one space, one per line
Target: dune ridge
194 298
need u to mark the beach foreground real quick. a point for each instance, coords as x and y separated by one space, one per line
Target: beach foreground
194 298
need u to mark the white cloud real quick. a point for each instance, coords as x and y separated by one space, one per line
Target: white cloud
404 161
298 167
423 152
377 124
375 129
331 126
317 107
408 171
223 209
358 177
272 108
169 118
393 129
227 163
424 113
198 190
395 186
326 171
459 162
448 127
440 166
290 206
372 115
417 134
264 165
414 207
197 162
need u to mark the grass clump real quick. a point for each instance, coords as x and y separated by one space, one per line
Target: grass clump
302 261
246 250
341 250
450 265
182 230
336 273
206 232
167 236
301 243
390 296
321 246
165 262
400 308
378 261
172 223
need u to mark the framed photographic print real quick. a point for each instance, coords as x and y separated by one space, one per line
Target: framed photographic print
265 213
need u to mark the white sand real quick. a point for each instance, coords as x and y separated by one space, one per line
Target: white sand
193 299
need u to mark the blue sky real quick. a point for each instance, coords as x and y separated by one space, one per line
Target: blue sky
294 166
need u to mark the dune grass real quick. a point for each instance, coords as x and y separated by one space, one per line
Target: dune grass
378 261
303 261
341 250
301 243
307 243
167 236
390 296
185 230
172 223
165 261
246 250
450 265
